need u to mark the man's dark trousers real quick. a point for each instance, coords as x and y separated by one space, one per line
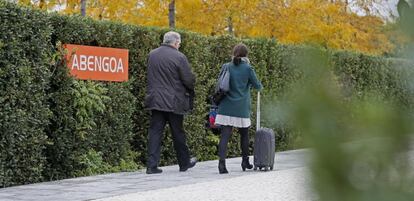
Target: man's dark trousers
156 133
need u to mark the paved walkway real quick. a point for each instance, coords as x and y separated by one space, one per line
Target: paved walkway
289 181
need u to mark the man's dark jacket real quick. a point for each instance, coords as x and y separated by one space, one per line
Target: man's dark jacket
170 81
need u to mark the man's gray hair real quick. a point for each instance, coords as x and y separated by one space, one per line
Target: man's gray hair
171 37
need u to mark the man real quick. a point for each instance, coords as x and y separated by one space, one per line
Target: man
170 83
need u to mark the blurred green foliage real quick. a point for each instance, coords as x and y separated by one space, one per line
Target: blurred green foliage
361 143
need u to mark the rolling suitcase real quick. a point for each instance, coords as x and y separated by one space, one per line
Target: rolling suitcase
264 144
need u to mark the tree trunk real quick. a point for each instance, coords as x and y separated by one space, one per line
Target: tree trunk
83 7
230 26
42 4
171 14
346 6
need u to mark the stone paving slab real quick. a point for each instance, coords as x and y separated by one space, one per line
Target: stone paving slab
116 184
285 185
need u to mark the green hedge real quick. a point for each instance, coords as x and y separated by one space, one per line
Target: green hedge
88 116
361 74
55 127
24 79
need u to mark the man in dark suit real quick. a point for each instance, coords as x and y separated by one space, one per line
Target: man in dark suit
170 83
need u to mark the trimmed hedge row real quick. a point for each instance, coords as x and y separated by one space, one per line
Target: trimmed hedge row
24 80
55 127
88 116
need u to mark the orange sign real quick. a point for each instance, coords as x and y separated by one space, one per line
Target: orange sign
97 63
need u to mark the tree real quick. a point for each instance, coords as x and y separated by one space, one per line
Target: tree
41 4
321 22
83 7
328 23
171 14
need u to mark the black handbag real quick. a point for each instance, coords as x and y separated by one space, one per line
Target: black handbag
218 96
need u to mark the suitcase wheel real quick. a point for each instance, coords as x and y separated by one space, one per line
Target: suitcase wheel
266 169
255 168
271 167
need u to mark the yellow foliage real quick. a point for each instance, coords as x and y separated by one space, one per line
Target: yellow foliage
41 4
322 22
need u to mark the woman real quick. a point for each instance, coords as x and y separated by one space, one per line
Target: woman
234 109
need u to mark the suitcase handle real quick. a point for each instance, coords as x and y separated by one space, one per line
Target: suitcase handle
258 112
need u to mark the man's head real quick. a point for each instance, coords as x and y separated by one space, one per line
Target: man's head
172 38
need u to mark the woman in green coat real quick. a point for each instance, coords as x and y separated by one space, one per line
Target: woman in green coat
234 109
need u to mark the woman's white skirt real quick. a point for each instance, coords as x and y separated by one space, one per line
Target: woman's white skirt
232 121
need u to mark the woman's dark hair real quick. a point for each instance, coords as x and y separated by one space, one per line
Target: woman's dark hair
239 51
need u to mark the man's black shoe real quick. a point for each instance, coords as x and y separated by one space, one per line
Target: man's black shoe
153 170
191 164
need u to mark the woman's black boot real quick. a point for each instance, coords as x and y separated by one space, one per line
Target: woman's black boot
245 164
222 167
